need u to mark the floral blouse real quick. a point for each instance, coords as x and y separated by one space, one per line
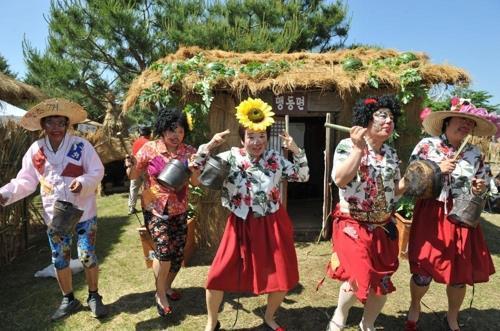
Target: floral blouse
156 198
362 192
470 164
253 184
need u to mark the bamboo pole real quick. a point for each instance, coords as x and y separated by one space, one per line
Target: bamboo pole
338 127
466 140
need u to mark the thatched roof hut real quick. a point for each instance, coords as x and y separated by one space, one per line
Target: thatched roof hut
16 92
320 87
322 71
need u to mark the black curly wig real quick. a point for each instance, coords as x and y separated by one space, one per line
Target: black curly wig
363 110
170 118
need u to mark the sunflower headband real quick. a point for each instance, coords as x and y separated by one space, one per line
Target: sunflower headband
254 114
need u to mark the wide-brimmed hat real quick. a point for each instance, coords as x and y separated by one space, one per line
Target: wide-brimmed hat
433 122
52 107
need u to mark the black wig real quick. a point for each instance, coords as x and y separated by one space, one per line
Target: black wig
363 110
170 118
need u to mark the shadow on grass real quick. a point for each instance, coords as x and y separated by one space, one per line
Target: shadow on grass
189 305
22 295
491 234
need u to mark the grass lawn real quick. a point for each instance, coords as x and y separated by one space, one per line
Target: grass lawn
26 303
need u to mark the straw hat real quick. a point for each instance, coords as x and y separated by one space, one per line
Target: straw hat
433 122
52 107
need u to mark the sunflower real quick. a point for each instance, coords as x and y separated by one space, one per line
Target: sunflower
254 114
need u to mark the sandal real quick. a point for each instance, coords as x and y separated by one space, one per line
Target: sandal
174 295
279 328
447 326
410 325
162 311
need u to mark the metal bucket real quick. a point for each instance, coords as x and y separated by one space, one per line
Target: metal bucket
66 216
215 172
423 178
467 209
174 175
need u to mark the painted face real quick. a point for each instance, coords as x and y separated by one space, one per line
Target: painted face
459 127
173 138
255 142
382 123
55 127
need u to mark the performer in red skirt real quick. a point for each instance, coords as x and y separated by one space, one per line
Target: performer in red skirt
256 253
365 245
449 253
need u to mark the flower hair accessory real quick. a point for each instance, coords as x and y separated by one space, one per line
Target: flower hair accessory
254 114
369 101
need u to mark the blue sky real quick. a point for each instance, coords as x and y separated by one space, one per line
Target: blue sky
463 33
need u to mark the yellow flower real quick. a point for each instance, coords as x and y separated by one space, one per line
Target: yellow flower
254 114
190 121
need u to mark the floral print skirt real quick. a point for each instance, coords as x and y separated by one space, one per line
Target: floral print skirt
364 255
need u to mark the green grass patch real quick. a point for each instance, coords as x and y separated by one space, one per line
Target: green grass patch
26 303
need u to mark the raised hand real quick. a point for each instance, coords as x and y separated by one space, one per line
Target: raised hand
288 143
129 161
218 139
357 134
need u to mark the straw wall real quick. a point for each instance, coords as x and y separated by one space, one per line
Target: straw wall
13 231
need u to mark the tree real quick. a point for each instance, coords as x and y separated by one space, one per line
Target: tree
99 46
5 68
440 98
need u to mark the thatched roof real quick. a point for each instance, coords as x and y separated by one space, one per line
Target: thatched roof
16 92
322 71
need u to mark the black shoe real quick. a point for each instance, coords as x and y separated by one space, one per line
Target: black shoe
97 308
66 308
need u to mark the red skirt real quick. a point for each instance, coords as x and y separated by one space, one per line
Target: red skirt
363 255
255 255
449 253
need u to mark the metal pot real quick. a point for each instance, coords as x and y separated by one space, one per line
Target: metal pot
215 172
174 175
66 216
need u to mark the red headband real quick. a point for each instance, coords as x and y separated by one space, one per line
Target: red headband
369 101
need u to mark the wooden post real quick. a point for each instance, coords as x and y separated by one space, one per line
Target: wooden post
284 183
326 177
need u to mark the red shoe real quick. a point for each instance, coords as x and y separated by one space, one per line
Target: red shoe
410 325
163 311
174 296
279 328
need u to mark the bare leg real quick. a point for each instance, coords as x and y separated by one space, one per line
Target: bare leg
373 307
456 297
214 299
274 301
161 269
92 276
65 280
346 300
170 279
417 293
